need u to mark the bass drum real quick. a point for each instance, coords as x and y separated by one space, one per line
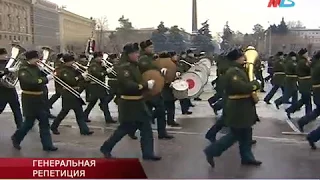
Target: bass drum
195 84
201 72
180 89
206 62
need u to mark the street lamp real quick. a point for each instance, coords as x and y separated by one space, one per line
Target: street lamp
270 38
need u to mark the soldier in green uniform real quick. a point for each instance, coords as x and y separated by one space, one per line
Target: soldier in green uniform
240 112
57 95
133 111
156 102
278 76
258 68
167 94
34 107
216 100
290 84
72 77
304 84
270 68
315 80
99 69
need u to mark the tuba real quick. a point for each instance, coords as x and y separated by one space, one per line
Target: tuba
10 80
251 56
46 52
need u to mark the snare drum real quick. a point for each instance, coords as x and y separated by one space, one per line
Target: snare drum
180 89
195 84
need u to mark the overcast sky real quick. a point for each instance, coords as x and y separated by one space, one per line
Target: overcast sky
241 14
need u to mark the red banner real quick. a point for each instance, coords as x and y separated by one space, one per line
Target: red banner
65 168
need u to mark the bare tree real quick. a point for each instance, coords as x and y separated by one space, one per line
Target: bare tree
101 27
295 25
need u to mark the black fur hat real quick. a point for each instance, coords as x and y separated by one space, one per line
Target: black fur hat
59 56
130 48
164 55
112 56
316 55
183 53
172 53
97 54
31 55
82 56
189 51
280 53
302 51
235 54
145 44
68 58
292 54
3 51
285 55
155 56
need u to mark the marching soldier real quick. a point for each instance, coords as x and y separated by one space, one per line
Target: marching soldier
9 95
98 68
146 63
191 58
34 107
270 69
72 77
167 94
240 113
278 77
57 95
315 79
290 83
304 84
216 100
258 68
133 112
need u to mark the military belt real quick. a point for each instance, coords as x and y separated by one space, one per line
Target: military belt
291 76
305 77
239 96
278 73
37 93
75 87
316 86
125 97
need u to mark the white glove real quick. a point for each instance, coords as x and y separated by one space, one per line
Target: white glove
164 71
150 83
109 70
258 81
84 75
178 74
75 67
49 77
12 69
103 63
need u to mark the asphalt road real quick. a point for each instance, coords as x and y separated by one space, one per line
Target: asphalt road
283 156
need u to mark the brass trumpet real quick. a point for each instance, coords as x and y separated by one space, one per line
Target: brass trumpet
48 70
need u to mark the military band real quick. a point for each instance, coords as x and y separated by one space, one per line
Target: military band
123 79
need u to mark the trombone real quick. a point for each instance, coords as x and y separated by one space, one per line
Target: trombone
83 69
109 64
48 70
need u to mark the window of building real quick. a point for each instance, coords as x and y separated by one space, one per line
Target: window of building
19 38
27 39
10 38
0 36
14 37
5 36
26 25
9 23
